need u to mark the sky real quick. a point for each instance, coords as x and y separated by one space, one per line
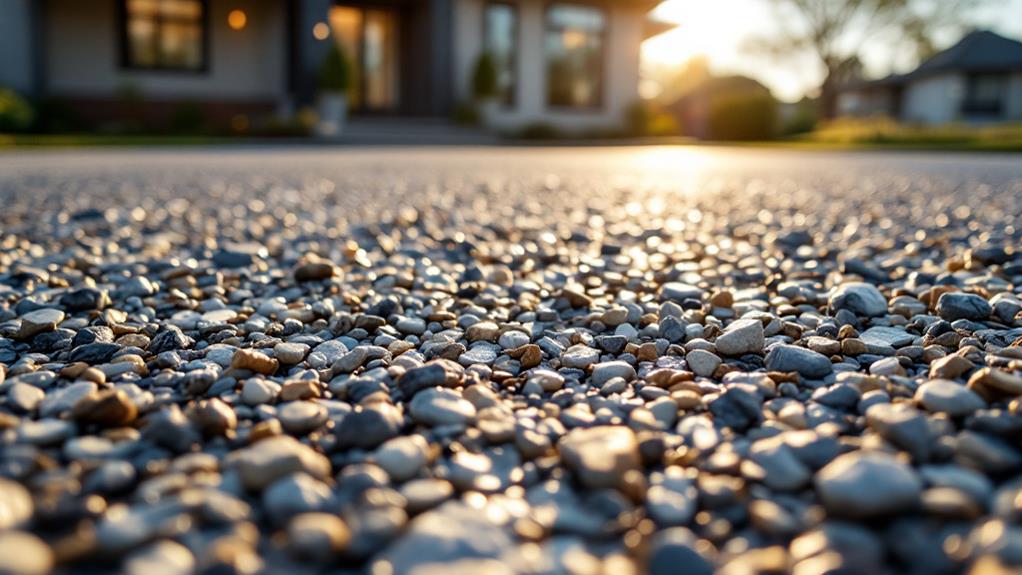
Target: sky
720 30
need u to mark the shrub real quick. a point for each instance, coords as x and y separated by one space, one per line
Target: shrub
646 119
742 117
466 115
187 118
16 114
539 131
335 73
484 77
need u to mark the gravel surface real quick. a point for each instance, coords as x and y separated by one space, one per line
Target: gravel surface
510 360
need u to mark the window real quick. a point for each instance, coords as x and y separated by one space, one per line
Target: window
501 42
983 95
165 34
574 46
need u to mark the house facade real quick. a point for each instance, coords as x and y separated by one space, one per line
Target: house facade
572 64
978 80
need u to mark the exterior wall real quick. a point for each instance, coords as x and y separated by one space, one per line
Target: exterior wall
623 39
933 100
17 49
83 55
1013 104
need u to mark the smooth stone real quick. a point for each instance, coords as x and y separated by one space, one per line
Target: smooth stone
787 358
301 417
24 554
860 298
678 291
867 484
164 557
600 456
402 457
957 305
702 362
437 407
317 537
604 372
369 426
296 493
741 337
579 357
882 335
945 396
673 501
272 458
675 550
290 353
259 391
39 321
16 505
24 397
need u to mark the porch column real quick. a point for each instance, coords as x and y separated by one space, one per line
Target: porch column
442 82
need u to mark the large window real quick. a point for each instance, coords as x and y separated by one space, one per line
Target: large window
165 34
574 46
984 94
501 42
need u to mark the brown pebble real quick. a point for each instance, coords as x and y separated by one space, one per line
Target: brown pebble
265 429
214 417
294 390
109 408
254 361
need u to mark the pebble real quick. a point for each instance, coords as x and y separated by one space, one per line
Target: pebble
702 362
600 456
437 407
741 337
301 370
944 396
787 358
861 485
860 298
953 306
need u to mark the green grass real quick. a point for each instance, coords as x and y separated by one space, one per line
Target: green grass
883 133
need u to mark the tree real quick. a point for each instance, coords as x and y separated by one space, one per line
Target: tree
834 32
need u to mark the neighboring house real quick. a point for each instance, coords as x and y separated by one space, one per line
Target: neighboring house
573 64
694 109
978 80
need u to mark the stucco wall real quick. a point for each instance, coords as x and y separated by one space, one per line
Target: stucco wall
1013 108
621 65
83 55
934 100
16 43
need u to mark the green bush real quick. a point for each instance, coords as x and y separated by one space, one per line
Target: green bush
646 119
187 118
539 131
335 73
466 115
742 117
484 77
16 114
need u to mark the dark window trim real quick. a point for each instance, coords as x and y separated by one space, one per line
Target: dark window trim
970 106
125 50
601 96
511 102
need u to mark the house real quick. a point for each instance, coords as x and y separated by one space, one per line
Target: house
696 108
571 64
978 80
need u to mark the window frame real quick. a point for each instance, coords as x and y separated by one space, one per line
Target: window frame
126 63
601 97
971 106
511 101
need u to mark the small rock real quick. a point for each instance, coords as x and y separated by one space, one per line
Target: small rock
957 305
860 298
786 358
867 484
600 456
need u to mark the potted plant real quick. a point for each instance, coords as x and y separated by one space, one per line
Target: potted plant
484 87
334 81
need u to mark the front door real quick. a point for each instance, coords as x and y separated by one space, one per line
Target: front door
369 37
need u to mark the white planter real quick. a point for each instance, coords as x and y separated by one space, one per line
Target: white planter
333 114
488 109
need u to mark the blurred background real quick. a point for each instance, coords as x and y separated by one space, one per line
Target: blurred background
813 72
